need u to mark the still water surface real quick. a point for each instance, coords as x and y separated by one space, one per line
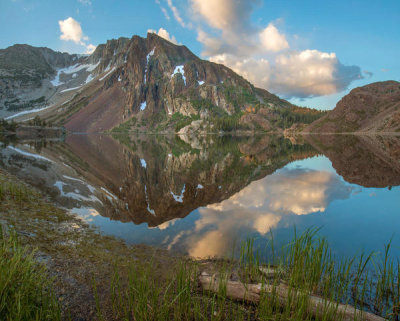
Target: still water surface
202 196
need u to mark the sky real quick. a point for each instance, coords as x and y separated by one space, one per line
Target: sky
309 52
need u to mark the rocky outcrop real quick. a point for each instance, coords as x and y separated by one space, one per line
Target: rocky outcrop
140 83
25 77
152 79
371 108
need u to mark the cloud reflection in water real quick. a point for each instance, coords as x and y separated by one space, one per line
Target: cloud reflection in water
261 206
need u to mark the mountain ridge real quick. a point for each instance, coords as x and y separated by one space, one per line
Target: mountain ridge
371 108
152 84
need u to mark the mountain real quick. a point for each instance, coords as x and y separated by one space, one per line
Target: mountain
25 74
142 84
371 108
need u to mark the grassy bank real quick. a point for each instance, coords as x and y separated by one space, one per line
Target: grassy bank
26 292
88 276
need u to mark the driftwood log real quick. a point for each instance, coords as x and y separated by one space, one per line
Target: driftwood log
252 292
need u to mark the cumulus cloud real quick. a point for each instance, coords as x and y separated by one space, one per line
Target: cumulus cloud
232 21
263 55
294 74
164 34
71 31
272 40
226 15
311 73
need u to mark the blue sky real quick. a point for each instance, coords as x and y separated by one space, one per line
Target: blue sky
311 52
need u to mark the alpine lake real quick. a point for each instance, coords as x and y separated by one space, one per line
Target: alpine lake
203 196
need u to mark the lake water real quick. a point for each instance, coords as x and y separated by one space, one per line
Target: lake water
201 196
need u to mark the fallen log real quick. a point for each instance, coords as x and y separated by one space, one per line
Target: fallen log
252 293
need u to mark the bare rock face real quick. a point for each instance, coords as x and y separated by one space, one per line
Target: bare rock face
140 83
159 79
372 108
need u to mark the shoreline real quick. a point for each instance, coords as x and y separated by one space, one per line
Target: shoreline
73 251
96 277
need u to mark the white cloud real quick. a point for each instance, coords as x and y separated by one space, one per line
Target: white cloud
305 73
71 31
226 15
272 40
256 70
164 34
263 55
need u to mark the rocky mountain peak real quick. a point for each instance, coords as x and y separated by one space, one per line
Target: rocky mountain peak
144 84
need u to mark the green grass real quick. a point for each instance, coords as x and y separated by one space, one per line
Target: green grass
25 288
305 266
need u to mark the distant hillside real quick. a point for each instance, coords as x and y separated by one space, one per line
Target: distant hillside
25 77
371 108
140 84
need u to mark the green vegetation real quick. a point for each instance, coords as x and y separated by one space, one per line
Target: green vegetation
228 123
179 121
16 105
287 117
25 287
126 126
239 98
6 126
37 121
304 267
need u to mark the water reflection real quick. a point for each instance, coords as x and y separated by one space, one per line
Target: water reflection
157 179
260 206
370 161
202 196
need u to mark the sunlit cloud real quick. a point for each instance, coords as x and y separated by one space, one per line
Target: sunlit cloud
272 40
71 30
163 34
263 55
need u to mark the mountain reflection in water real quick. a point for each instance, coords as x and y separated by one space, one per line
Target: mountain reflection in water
200 196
